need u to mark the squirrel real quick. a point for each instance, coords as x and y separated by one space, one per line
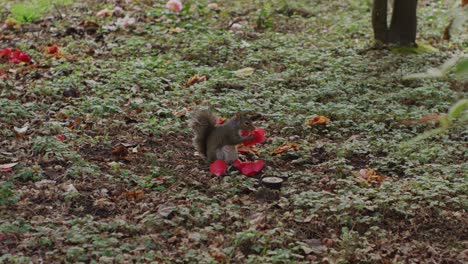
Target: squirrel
218 142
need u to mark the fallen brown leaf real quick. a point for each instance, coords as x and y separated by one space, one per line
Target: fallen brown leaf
54 51
11 24
218 255
318 120
6 37
120 151
72 124
176 30
195 79
179 113
285 147
134 195
432 118
90 27
61 115
20 132
370 176
244 72
8 166
241 148
3 75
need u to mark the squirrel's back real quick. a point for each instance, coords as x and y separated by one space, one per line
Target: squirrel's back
202 123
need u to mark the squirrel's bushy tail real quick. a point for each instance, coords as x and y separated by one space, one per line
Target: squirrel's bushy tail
202 123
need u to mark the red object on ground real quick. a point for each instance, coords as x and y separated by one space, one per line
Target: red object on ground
19 56
5 53
249 168
52 49
220 120
14 56
258 137
218 167
245 133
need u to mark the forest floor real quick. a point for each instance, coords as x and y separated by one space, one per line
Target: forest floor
96 161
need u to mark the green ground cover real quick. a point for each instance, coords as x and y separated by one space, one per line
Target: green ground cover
76 196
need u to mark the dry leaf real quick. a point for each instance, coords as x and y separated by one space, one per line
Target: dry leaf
104 12
72 124
8 166
257 219
433 118
135 195
218 255
69 188
54 51
21 130
44 183
61 115
120 151
179 113
3 75
308 219
176 30
11 23
318 120
103 203
165 211
314 246
430 118
245 72
371 175
285 147
241 148
213 6
235 27
195 79
90 27
125 22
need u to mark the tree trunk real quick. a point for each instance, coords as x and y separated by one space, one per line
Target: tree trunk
379 20
403 27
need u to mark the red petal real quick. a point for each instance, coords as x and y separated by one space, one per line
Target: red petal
19 56
258 165
249 168
61 137
6 52
245 133
238 164
218 167
220 120
258 137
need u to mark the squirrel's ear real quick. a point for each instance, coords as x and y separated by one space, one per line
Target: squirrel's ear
237 115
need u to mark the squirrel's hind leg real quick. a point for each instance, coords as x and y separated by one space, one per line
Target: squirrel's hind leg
227 153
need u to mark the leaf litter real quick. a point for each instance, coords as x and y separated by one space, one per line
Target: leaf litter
66 122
